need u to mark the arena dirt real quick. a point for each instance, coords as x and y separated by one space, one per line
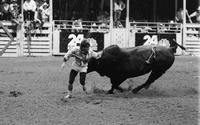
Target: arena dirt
31 89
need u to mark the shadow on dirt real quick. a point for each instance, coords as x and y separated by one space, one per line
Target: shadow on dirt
153 92
15 94
98 95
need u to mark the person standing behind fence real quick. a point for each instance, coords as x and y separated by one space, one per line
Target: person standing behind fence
14 10
45 12
118 7
5 13
42 15
196 14
29 7
179 15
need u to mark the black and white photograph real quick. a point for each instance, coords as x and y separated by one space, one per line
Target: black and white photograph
99 62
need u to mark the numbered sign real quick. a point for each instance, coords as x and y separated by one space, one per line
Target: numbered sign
74 40
155 39
68 40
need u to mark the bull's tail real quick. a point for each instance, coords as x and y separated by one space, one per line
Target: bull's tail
177 45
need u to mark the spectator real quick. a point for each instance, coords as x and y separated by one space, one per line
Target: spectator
14 10
179 16
77 26
41 16
5 13
196 14
29 7
45 12
118 7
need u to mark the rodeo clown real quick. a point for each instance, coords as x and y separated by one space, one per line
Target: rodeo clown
80 65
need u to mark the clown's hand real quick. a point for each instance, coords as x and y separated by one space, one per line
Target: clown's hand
63 65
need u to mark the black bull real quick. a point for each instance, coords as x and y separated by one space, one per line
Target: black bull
120 64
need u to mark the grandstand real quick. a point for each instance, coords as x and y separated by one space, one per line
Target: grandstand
142 22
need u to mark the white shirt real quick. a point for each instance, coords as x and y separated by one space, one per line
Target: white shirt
119 6
29 5
80 58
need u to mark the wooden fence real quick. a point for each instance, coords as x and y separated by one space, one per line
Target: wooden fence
42 40
40 44
192 41
12 50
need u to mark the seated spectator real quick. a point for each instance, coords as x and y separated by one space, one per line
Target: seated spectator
77 25
4 10
38 19
179 16
29 7
45 13
118 8
14 10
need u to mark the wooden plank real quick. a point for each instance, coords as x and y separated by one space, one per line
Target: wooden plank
10 47
10 51
38 43
192 42
11 37
43 32
38 54
47 24
39 38
196 50
9 30
189 25
6 42
192 39
193 47
192 32
36 47
7 23
37 50
6 39
9 55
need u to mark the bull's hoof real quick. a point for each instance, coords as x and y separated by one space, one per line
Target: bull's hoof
135 91
147 86
110 92
120 89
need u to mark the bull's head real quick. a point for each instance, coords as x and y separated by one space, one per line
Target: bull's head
93 65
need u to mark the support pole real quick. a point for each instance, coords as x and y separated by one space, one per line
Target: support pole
51 27
154 10
111 20
184 22
127 21
175 9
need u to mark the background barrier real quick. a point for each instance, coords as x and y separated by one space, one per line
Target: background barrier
54 37
64 40
41 43
192 41
12 50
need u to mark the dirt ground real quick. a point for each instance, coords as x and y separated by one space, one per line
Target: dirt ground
31 89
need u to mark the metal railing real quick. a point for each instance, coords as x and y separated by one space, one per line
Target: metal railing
156 27
92 26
